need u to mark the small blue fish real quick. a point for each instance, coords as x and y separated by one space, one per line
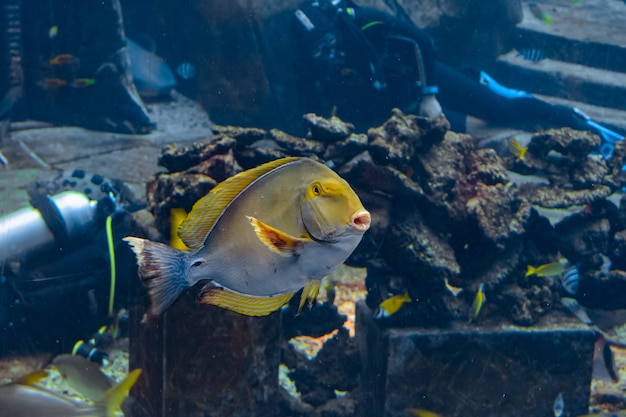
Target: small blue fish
559 405
531 54
186 70
578 311
570 280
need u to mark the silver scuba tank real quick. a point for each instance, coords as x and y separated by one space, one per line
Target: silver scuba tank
33 233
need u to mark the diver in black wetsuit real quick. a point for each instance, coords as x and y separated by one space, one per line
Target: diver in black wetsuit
361 62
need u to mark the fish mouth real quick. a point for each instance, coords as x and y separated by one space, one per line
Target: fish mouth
360 221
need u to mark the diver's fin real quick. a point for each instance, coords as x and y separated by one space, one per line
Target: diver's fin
248 305
309 292
499 89
33 378
275 240
206 211
114 396
163 270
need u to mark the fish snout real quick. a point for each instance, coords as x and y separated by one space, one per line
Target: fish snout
361 221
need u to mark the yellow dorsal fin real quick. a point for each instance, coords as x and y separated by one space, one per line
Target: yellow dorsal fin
32 379
206 211
248 305
114 396
310 291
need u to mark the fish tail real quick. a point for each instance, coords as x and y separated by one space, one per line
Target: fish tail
115 396
163 270
531 270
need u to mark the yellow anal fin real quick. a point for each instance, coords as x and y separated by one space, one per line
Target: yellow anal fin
248 305
309 292
275 240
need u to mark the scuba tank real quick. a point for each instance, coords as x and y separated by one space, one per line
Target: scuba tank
34 233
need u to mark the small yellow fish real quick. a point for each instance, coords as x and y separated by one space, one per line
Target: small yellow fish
418 412
454 290
540 14
259 237
53 32
546 18
177 217
83 82
52 83
63 59
516 148
391 305
546 270
478 303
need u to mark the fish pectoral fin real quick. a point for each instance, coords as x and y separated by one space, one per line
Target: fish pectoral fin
249 305
309 292
275 240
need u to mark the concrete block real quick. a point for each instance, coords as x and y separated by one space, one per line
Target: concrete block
482 371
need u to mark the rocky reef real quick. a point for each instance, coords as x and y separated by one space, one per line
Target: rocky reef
447 218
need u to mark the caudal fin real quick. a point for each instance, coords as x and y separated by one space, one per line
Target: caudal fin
163 270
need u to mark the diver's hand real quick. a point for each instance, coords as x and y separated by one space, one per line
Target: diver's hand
429 106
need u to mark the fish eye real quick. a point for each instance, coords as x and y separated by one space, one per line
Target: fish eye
197 263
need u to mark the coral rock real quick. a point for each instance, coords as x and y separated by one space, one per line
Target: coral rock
327 130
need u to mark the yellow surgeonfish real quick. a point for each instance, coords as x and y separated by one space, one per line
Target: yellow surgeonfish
546 270
391 305
516 148
259 237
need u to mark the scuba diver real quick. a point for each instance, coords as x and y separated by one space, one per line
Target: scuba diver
362 62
